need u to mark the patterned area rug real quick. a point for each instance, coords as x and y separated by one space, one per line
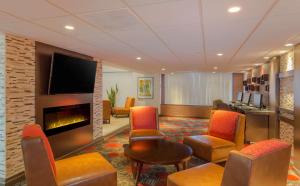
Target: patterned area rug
175 129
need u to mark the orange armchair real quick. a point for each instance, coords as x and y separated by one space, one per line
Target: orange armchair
41 168
225 133
263 163
144 123
126 109
106 111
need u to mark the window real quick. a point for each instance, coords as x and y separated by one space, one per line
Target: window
194 88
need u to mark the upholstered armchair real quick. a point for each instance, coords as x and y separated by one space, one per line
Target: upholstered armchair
225 133
264 163
121 111
144 123
106 111
41 168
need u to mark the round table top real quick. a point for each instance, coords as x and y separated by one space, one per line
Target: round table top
158 151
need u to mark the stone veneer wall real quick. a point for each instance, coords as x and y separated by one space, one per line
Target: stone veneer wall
287 95
97 103
2 108
20 97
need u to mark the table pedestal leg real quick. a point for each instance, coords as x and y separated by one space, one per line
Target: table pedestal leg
139 170
134 169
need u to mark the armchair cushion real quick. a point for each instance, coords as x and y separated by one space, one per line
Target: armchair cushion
208 174
209 147
223 124
264 147
86 169
144 118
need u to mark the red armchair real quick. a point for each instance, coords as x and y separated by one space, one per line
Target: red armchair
144 123
260 164
225 133
41 168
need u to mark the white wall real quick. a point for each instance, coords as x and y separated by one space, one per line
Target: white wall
127 84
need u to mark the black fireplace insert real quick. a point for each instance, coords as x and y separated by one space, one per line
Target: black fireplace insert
64 118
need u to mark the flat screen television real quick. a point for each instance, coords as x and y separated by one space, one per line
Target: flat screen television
71 75
257 100
246 98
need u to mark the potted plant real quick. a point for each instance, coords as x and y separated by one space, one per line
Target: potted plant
112 94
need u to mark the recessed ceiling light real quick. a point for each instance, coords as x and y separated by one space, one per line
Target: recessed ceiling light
234 9
215 68
220 54
266 57
163 69
288 44
138 58
69 27
213 72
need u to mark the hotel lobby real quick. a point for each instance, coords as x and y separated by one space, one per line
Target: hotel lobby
149 93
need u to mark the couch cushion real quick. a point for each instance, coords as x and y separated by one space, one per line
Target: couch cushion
86 169
209 148
34 130
223 124
207 174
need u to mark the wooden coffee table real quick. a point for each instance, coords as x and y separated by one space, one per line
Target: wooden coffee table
156 152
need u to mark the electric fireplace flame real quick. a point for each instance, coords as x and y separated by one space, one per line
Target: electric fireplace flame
66 121
62 119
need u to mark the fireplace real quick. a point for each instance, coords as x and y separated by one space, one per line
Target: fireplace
65 118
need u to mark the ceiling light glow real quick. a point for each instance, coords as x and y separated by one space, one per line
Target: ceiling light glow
163 69
138 58
69 27
220 54
234 9
215 68
289 45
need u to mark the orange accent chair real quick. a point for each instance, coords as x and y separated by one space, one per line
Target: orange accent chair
144 123
226 132
260 164
41 168
106 111
121 111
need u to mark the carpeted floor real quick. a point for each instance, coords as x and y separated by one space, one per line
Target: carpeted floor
175 129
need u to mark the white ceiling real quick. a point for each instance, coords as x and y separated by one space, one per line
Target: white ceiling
179 35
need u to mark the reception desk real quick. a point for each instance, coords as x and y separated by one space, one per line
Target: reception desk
257 122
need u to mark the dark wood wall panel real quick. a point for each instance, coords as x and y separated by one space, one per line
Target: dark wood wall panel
237 84
65 142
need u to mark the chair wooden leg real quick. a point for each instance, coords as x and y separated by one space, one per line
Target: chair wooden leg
139 170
